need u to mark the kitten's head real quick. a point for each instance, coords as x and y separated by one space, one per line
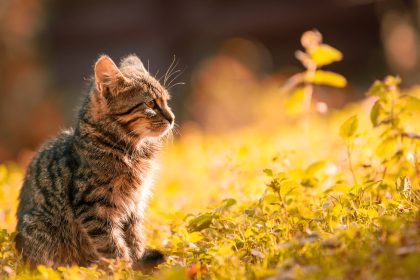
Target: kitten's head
130 98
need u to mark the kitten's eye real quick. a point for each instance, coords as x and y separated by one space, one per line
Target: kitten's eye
151 104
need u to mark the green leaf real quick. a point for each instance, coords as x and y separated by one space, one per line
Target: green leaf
327 78
392 81
324 54
200 222
377 88
226 204
268 172
382 88
374 113
349 127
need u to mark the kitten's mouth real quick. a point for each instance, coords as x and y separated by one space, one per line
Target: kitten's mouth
161 128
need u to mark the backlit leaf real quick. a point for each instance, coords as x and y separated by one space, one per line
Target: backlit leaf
349 127
374 113
377 88
392 80
226 204
268 172
327 78
200 222
324 54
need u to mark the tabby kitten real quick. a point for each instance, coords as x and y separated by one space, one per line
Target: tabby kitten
84 192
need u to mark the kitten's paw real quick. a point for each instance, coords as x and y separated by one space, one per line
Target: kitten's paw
149 261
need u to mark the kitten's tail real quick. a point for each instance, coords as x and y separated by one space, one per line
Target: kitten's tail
150 260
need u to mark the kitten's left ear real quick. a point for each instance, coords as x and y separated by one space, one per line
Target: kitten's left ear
107 74
133 62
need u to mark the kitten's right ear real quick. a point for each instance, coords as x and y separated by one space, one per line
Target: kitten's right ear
107 74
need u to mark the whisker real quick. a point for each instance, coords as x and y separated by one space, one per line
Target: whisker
171 68
176 129
176 132
168 137
172 73
180 72
176 84
157 72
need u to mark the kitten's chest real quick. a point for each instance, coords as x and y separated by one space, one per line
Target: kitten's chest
115 192
129 192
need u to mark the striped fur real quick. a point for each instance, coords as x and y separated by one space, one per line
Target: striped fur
85 191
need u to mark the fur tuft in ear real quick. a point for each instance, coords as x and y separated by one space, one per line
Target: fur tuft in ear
106 73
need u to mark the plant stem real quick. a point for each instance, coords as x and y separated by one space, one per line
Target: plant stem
349 152
308 92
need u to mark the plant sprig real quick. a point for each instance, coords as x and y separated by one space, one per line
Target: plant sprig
315 55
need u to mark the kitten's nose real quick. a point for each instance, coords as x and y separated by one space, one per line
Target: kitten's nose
170 117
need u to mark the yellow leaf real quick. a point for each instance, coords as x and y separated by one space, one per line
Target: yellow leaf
349 127
324 54
195 236
375 112
327 78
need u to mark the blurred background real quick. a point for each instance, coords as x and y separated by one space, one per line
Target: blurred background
229 52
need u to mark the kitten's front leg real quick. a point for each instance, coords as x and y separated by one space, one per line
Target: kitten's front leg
106 238
116 239
134 237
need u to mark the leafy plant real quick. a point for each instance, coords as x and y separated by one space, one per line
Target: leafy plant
315 56
347 132
388 114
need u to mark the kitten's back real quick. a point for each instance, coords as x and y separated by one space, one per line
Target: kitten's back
47 173
43 193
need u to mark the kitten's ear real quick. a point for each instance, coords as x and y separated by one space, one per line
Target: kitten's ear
132 61
107 73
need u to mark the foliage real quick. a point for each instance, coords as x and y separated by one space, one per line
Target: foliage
316 55
265 202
